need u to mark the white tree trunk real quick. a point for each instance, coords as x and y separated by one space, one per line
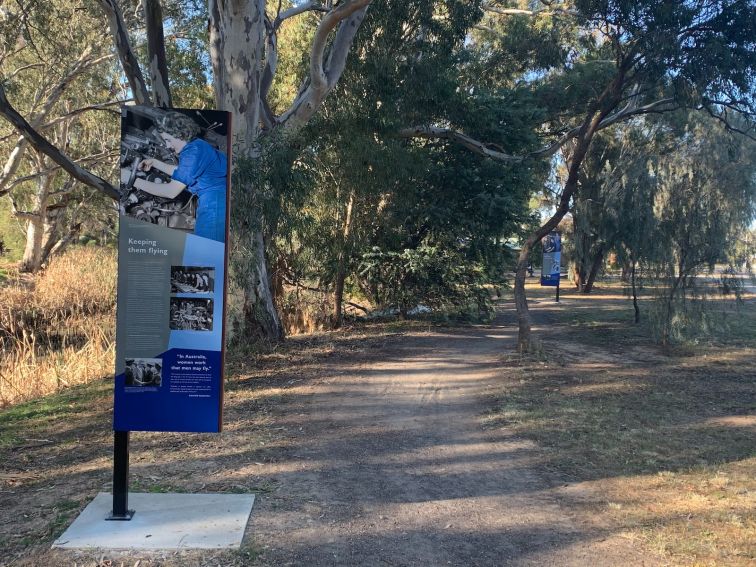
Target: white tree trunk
32 260
237 50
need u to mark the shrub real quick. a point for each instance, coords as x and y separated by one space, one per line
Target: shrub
437 277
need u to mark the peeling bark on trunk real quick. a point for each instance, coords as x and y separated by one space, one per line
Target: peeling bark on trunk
35 226
43 238
32 259
237 46
261 318
577 276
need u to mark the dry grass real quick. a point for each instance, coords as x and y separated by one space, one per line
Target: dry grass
57 329
704 516
658 444
304 311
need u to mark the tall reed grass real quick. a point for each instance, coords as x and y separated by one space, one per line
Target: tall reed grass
58 329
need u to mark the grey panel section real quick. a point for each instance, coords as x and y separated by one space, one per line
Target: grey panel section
146 253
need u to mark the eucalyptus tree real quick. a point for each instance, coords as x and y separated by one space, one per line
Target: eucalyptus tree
632 58
375 194
61 78
594 222
242 47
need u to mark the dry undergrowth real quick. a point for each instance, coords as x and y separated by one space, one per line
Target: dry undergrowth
57 329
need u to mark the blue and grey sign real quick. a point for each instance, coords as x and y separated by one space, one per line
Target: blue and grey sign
171 270
552 257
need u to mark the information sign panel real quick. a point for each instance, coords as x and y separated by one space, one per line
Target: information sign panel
552 257
172 265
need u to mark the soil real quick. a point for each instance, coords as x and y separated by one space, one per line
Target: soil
363 449
393 466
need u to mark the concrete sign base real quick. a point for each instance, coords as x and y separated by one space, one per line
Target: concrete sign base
162 521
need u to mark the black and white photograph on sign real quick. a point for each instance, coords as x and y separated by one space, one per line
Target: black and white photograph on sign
174 169
191 314
192 279
142 372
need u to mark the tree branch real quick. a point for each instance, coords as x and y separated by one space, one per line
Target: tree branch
11 165
486 150
83 63
324 75
311 6
81 161
43 145
291 282
480 148
488 29
153 17
75 112
547 11
24 215
749 133
128 60
23 68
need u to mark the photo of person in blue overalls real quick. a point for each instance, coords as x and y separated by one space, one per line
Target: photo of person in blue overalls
201 169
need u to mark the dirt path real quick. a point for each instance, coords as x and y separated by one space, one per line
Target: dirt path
364 448
400 444
390 462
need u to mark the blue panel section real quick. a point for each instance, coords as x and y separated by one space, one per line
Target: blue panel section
188 397
550 280
204 252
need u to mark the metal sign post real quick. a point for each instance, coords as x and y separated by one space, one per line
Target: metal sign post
172 266
120 478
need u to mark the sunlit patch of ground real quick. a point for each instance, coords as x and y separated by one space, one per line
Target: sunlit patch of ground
657 444
704 516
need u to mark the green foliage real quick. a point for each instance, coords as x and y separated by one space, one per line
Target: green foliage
186 40
704 51
433 276
508 50
294 42
347 186
11 234
46 83
185 23
686 199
